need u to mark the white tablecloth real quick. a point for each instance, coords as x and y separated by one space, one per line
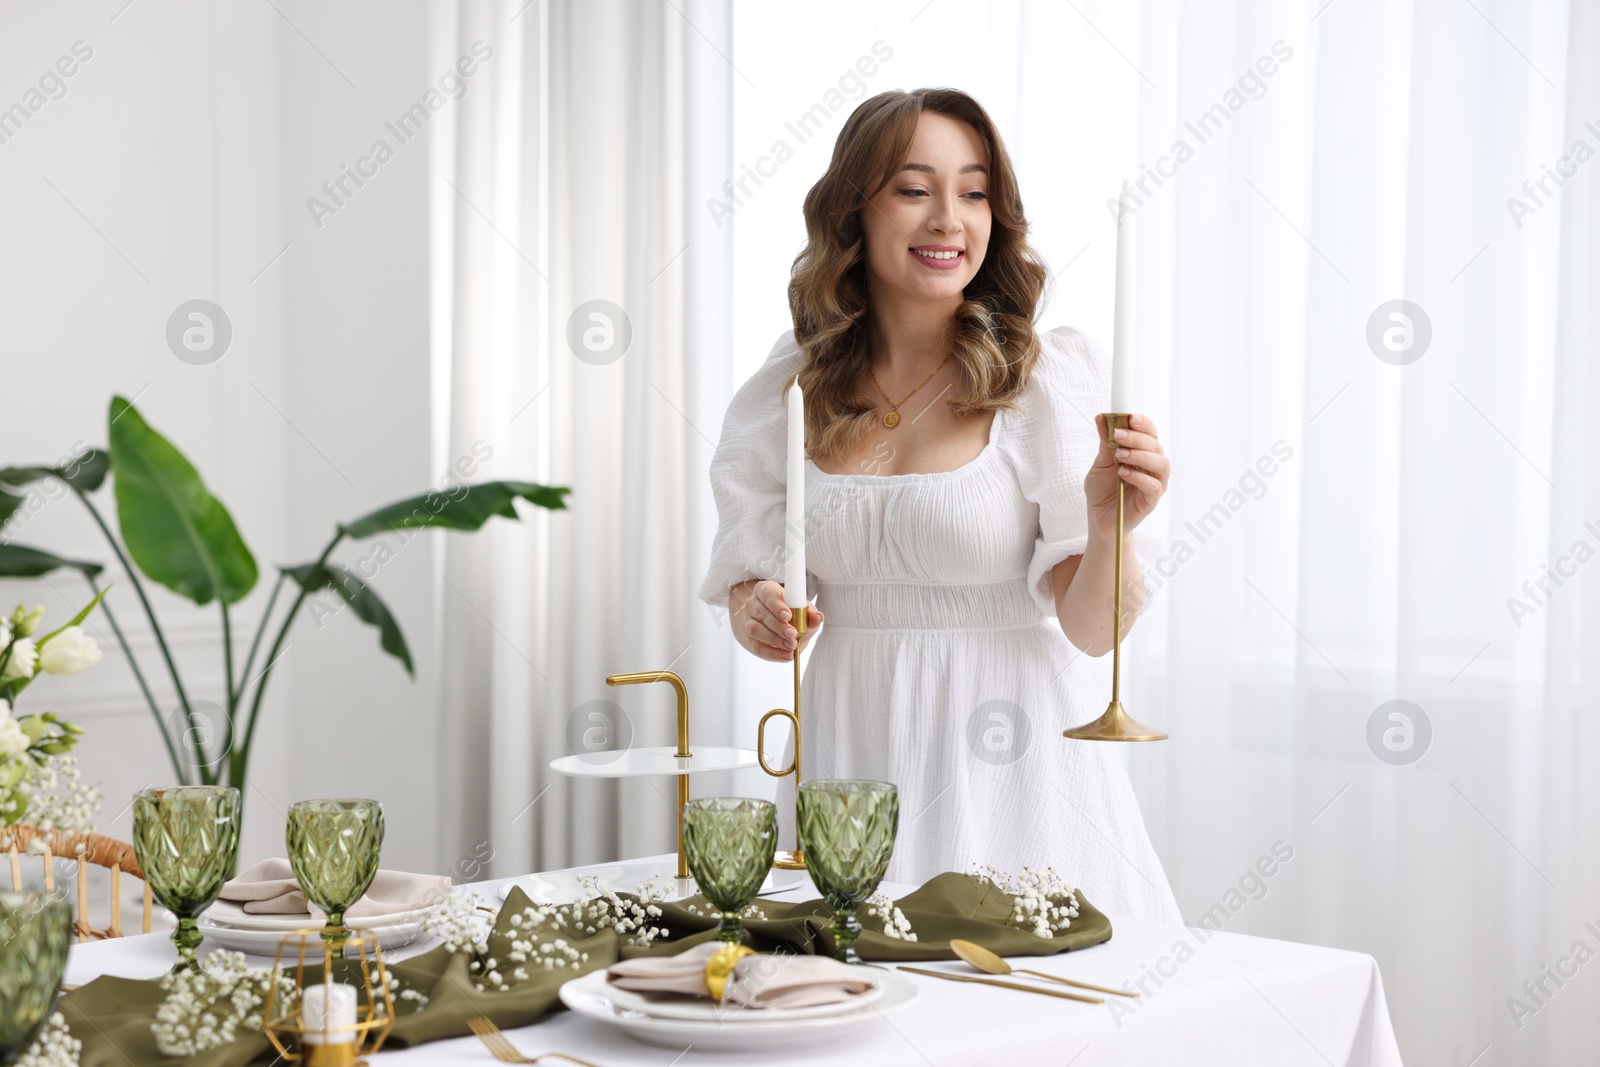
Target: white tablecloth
1211 999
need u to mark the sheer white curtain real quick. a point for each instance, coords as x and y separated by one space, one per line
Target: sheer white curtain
1375 565
565 180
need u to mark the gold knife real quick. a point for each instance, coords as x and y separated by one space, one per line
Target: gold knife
1003 985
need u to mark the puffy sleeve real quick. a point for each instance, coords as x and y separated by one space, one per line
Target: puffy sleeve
1052 445
748 480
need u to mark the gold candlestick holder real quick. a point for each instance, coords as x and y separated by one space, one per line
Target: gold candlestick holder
787 859
1116 724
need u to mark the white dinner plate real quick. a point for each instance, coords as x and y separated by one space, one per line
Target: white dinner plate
563 887
705 1010
589 996
227 913
265 942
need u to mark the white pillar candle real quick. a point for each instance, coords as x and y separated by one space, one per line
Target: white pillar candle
325 1008
1122 329
794 526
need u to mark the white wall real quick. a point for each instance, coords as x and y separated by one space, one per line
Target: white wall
177 166
358 387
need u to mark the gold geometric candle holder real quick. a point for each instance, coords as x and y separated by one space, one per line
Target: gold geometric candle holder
361 968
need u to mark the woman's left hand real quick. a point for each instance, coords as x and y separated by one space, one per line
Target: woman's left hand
1136 460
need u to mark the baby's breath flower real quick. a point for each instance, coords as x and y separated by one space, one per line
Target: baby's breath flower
59 801
1042 901
54 1047
205 1007
457 920
895 923
538 934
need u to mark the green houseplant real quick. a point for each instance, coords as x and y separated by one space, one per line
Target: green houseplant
175 533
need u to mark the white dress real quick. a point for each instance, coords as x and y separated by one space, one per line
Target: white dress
935 667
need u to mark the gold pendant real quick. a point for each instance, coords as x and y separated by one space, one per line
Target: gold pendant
892 419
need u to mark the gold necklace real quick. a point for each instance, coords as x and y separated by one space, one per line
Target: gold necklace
892 418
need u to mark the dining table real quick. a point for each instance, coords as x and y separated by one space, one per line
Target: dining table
1206 996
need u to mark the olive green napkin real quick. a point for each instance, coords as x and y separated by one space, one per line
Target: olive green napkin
948 906
112 1016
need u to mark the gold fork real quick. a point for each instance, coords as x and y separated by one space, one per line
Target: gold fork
506 1052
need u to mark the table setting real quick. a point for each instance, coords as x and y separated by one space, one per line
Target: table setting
723 969
976 966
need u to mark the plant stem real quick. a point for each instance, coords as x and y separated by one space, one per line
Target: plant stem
227 652
249 660
227 669
261 629
155 627
144 686
239 758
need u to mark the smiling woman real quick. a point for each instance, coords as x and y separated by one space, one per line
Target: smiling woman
960 494
943 203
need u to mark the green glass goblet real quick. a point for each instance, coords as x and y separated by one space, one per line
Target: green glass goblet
728 843
846 830
186 840
333 848
35 929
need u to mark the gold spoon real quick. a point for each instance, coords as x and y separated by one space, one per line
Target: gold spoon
989 963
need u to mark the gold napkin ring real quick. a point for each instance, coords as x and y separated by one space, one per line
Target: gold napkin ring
721 965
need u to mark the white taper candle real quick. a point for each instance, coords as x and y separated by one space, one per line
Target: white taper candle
794 569
1122 340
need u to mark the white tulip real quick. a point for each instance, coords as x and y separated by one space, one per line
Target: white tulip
69 652
30 622
24 658
13 742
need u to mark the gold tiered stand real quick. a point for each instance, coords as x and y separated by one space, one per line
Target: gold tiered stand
787 859
1115 724
677 761
681 752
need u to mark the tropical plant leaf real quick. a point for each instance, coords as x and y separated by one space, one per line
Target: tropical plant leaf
176 531
86 472
9 503
359 596
20 561
469 511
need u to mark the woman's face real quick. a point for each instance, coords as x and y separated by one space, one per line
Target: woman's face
938 203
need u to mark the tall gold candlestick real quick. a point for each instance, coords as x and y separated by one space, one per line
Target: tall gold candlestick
1115 724
787 859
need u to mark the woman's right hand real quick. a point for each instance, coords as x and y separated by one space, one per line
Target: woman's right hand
761 621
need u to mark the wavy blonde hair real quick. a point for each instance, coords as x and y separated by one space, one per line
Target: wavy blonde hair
991 334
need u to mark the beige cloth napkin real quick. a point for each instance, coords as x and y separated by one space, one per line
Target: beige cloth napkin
269 888
764 980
